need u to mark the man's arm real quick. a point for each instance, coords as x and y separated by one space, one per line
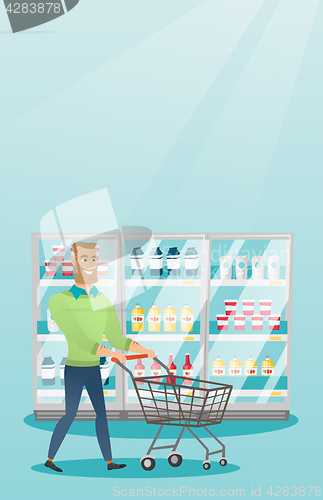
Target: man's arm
134 347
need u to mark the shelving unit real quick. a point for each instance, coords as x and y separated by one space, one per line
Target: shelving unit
252 397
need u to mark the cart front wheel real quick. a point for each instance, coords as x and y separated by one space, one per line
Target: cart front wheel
175 459
206 464
148 462
223 462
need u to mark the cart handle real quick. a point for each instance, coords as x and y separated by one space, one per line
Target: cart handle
131 356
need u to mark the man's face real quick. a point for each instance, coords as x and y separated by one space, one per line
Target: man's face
85 267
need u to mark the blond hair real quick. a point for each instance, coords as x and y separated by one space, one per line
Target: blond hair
83 244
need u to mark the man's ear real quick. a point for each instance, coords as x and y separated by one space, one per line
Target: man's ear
73 260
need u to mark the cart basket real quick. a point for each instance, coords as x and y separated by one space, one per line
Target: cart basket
176 400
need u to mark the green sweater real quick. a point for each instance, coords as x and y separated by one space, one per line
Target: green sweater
84 321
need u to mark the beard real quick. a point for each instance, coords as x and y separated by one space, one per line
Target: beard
85 279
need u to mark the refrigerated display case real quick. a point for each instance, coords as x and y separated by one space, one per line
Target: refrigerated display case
167 288
206 295
52 274
250 308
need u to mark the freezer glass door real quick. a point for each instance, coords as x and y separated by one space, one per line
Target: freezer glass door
249 316
56 276
165 291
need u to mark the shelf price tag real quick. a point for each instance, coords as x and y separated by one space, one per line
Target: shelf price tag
275 283
275 338
276 393
188 338
105 393
187 282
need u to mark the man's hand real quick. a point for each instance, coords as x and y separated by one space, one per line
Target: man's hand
150 353
140 349
120 356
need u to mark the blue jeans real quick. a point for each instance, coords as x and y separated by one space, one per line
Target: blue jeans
75 378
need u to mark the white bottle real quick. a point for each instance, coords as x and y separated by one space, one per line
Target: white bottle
62 370
258 267
241 267
273 264
48 371
51 325
104 370
226 267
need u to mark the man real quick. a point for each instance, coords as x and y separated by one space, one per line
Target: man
84 314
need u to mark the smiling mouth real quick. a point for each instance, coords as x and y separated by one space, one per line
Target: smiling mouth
88 272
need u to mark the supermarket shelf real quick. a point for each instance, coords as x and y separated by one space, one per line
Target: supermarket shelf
247 337
46 282
263 393
246 283
51 337
162 337
57 393
238 393
135 282
253 383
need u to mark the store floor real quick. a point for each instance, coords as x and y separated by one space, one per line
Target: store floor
260 454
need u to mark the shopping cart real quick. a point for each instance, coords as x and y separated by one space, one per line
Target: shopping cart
179 401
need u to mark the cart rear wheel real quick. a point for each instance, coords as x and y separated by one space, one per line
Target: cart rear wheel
206 464
223 462
148 462
175 459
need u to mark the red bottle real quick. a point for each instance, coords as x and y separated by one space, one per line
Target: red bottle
172 368
139 371
188 370
156 370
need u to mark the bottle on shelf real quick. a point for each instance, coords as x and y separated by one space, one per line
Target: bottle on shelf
235 367
155 370
170 319
258 267
218 367
250 367
51 325
241 267
137 319
273 264
191 262
173 262
226 267
172 368
187 370
48 371
139 371
187 319
104 370
156 262
62 370
154 315
267 367
137 262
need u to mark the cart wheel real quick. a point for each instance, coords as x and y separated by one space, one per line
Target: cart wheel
223 462
206 464
175 459
148 462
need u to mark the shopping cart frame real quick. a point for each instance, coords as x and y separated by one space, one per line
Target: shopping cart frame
176 415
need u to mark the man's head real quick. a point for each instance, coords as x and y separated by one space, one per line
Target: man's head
84 262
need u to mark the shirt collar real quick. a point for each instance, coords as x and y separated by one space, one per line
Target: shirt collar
77 291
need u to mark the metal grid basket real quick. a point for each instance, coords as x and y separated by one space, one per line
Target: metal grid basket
186 401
